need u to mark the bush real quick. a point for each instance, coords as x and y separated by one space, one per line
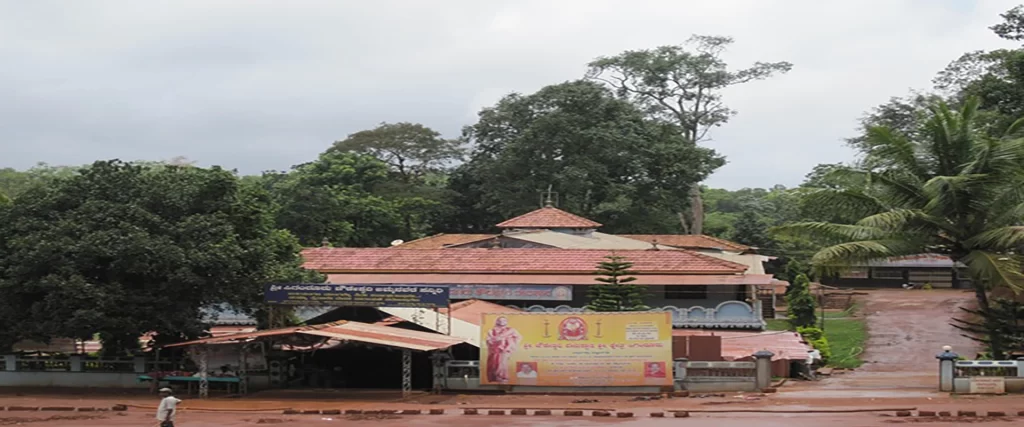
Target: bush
816 338
801 303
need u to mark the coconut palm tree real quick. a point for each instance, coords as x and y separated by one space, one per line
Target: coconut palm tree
952 189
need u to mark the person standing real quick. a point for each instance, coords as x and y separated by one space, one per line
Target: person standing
168 408
502 340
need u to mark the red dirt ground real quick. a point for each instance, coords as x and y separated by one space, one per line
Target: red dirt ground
907 329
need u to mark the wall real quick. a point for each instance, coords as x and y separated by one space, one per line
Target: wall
717 294
70 379
1013 385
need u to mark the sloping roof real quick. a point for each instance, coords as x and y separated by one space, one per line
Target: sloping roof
345 331
581 278
742 345
465 320
359 260
919 261
690 241
754 262
594 240
549 217
442 240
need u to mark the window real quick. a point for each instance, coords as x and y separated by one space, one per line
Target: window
854 273
879 273
686 292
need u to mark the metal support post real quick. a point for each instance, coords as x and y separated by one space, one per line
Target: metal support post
406 373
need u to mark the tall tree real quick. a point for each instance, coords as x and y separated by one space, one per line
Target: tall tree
750 230
601 154
683 87
616 291
952 190
800 303
122 250
411 150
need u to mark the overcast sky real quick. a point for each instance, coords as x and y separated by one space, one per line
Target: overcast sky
258 85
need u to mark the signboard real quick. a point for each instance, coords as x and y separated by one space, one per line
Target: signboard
415 296
576 349
988 385
512 292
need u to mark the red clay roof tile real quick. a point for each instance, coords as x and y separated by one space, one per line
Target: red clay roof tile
549 217
692 241
509 261
439 241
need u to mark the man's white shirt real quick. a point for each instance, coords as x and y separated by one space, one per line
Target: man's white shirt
169 403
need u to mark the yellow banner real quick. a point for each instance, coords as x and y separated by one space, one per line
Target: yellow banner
576 350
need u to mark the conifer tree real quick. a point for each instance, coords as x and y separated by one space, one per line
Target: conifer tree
616 291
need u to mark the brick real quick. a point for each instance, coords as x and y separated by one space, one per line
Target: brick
966 414
517 412
496 412
769 390
681 414
996 414
86 409
311 412
331 412
371 412
437 412
683 393
388 411
624 414
601 414
290 412
573 413
353 412
57 408
24 408
119 408
657 415
1020 413
926 413
469 412
903 413
411 412
945 414
542 412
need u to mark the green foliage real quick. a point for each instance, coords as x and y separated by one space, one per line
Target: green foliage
750 230
800 303
817 339
412 151
616 293
681 85
949 188
120 250
1004 315
605 159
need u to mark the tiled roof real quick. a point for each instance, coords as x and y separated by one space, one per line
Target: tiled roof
365 260
442 240
346 331
690 241
470 311
549 217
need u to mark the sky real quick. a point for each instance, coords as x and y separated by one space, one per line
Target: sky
259 85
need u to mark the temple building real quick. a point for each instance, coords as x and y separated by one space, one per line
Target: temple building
544 261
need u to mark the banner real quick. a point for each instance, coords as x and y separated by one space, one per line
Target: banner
576 349
414 296
512 292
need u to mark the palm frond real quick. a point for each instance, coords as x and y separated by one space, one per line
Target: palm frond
828 232
889 149
998 239
1015 128
893 219
994 270
852 253
854 202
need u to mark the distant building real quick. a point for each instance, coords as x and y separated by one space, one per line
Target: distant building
933 269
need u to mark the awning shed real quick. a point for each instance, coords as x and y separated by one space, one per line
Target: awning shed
344 331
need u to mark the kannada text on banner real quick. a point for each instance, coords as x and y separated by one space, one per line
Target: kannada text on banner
414 296
576 349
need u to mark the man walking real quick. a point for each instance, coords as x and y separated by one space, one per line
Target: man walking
168 407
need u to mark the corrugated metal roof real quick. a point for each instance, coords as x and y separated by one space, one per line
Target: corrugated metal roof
754 262
690 241
549 217
345 331
592 240
920 261
508 260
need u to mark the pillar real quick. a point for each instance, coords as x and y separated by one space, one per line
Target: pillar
947 361
139 363
1020 367
204 379
76 363
406 373
679 372
763 368
10 362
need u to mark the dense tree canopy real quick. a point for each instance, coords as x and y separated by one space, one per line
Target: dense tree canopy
606 160
121 250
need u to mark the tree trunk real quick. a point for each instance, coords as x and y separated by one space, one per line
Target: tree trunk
696 210
994 339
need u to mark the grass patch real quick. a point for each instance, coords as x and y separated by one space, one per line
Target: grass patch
845 336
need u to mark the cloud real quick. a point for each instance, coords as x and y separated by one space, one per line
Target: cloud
259 85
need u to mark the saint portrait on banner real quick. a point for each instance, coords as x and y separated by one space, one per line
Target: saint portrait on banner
502 341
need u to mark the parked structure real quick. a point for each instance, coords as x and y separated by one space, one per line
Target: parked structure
925 269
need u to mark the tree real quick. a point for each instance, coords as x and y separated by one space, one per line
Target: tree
951 190
1005 315
122 250
334 198
800 303
616 293
411 150
607 161
750 230
682 87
